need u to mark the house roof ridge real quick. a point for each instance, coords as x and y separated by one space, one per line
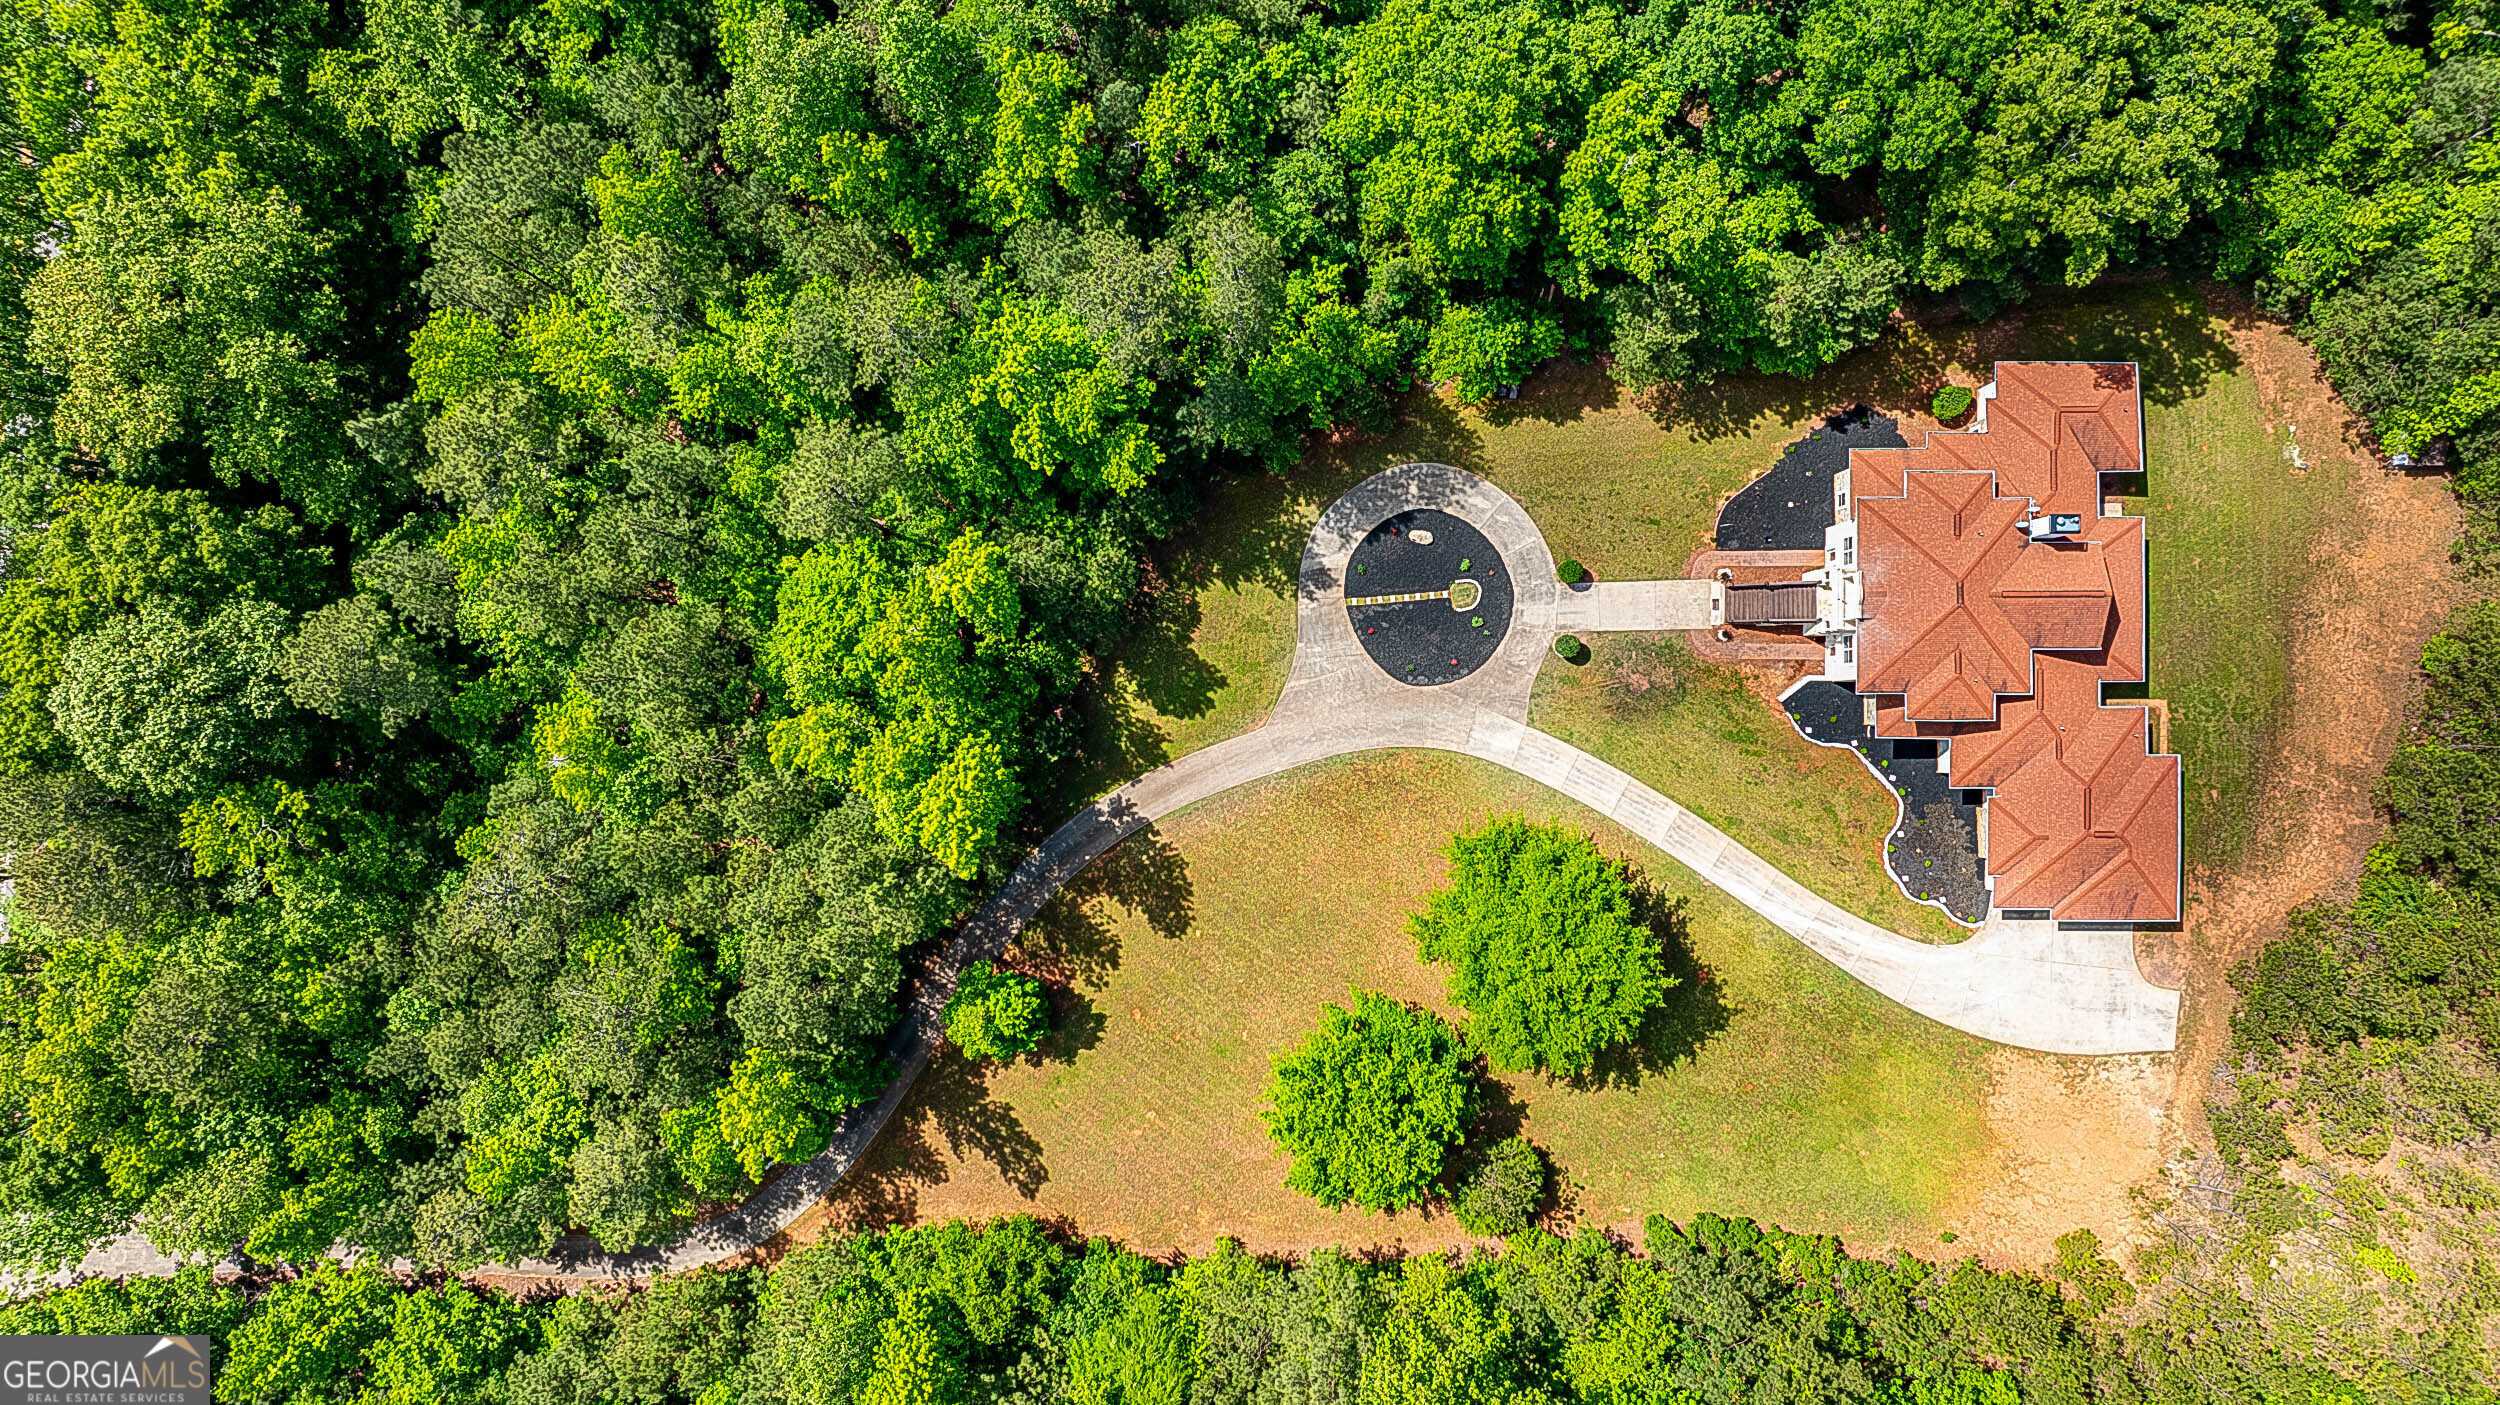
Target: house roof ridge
1968 620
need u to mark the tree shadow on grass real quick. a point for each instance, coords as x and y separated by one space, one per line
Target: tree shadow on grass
1694 1010
1075 1026
1158 660
1499 1115
2166 328
1257 528
1147 875
1068 944
1122 742
1157 674
1558 392
1071 943
951 1105
1252 529
1730 406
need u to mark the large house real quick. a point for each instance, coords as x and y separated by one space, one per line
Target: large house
1978 589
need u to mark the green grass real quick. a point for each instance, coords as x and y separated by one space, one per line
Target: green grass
1772 1085
2237 538
1213 638
1695 732
1632 488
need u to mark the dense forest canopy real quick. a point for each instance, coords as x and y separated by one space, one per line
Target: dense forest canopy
1718 1310
549 546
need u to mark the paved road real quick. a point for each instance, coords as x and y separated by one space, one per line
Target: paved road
2026 984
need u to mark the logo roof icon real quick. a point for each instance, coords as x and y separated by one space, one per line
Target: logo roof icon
164 1342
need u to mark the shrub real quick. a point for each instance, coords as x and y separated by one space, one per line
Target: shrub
995 1014
2097 1282
1370 1104
1571 571
2442 787
1569 649
1505 1191
1952 402
1543 947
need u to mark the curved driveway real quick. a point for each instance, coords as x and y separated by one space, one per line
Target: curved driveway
2027 984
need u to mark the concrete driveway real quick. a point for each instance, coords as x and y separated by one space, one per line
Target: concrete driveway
2028 984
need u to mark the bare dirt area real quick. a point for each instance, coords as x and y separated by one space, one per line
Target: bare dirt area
2068 1141
2355 664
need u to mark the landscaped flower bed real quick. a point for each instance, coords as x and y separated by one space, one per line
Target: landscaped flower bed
1437 640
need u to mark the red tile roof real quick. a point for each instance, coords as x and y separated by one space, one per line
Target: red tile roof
1971 630
2053 429
2083 821
1957 597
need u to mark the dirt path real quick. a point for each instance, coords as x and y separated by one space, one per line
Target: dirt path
2356 670
2069 1139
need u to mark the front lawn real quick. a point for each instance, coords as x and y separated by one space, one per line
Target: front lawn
2238 536
1774 1085
1695 732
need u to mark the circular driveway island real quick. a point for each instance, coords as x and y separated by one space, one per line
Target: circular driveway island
1428 596
2025 983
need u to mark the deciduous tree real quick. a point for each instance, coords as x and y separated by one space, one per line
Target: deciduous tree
1545 951
1370 1104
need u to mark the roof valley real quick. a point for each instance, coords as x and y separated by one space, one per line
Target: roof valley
1995 638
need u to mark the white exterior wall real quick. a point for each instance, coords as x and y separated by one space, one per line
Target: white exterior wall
1839 594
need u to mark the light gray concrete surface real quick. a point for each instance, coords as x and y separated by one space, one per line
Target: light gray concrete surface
1611 606
2026 984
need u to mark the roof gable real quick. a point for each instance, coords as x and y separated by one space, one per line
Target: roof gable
2084 821
1971 630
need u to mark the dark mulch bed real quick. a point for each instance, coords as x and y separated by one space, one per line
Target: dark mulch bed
1935 848
1425 641
1760 517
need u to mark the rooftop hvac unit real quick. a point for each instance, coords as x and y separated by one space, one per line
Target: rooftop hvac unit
2054 526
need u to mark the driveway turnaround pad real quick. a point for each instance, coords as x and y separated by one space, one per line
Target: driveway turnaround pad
2031 984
